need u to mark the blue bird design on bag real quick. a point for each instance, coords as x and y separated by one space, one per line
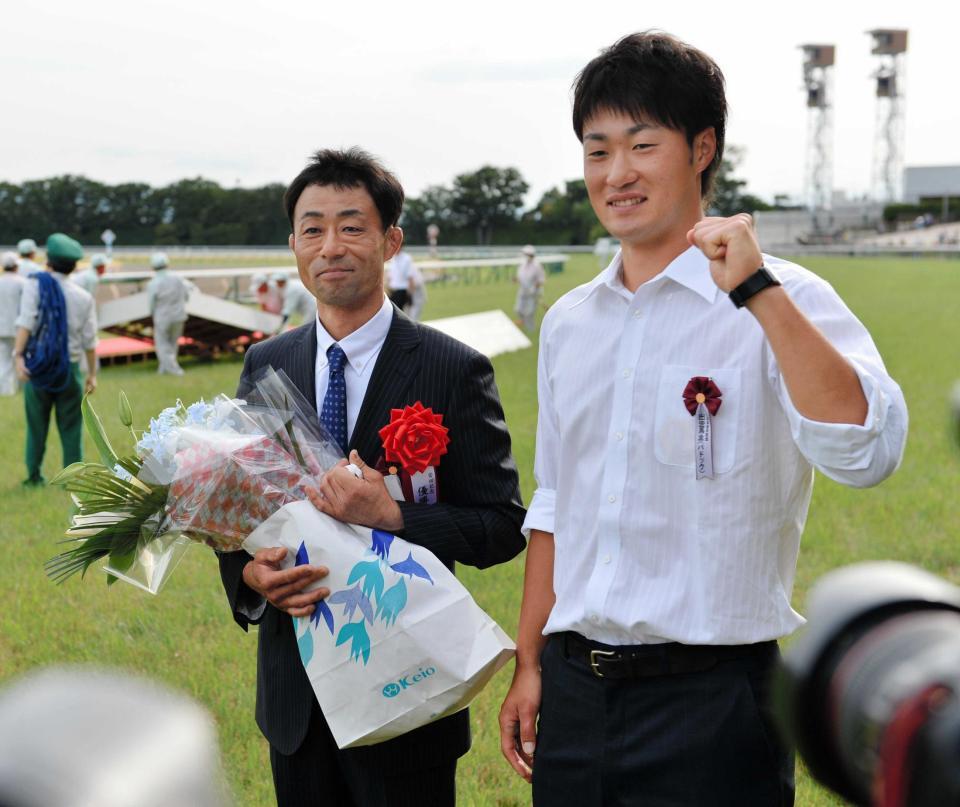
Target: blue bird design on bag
380 543
369 572
305 644
322 610
359 641
392 603
351 599
412 568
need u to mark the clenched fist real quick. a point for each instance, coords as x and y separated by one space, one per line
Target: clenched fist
730 245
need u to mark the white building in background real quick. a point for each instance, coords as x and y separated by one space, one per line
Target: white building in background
846 220
929 182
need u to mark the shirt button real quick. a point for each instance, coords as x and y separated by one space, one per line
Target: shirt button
637 314
626 374
606 558
611 498
594 619
619 435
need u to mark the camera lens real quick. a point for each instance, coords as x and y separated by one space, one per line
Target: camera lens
868 691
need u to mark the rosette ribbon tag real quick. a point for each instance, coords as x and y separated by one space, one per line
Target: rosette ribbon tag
413 442
702 398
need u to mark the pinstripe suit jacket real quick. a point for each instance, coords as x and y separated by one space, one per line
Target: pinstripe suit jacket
477 522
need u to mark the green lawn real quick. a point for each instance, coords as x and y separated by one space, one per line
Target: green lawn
186 638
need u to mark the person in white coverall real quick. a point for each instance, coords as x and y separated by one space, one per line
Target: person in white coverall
168 295
296 300
27 248
88 279
11 289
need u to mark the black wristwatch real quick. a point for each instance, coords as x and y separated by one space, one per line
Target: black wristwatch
762 279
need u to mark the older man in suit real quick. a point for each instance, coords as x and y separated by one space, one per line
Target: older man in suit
360 358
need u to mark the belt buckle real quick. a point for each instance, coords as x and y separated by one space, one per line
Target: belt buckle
595 660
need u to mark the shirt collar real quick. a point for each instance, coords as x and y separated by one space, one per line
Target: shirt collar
364 343
690 269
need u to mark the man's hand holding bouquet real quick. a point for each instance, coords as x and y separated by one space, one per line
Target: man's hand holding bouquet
262 476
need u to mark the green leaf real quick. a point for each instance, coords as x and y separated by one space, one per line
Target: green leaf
111 579
96 431
68 473
126 413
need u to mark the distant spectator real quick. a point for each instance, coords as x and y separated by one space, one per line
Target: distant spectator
168 294
57 324
433 235
419 295
400 279
11 290
89 278
28 251
296 300
530 279
259 288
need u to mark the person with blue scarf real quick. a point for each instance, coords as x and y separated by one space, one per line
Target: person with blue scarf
56 326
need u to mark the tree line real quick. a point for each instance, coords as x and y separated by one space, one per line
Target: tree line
485 206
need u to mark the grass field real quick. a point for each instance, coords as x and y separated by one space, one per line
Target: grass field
186 637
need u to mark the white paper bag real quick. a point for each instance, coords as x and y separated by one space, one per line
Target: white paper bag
398 643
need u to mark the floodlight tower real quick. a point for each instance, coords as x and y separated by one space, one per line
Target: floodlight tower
889 46
818 63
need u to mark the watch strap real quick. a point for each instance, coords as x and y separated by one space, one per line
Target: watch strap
762 279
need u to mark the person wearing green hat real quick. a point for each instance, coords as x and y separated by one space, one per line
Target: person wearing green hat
57 325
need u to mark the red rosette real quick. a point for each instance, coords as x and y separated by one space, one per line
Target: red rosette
702 390
415 438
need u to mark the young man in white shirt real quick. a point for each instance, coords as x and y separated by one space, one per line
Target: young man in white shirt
675 467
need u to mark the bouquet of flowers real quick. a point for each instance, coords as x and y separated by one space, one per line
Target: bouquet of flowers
208 472
233 475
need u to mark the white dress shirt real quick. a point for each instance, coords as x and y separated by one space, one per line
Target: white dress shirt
361 348
81 314
645 552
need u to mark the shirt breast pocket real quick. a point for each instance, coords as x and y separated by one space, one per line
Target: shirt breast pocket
673 435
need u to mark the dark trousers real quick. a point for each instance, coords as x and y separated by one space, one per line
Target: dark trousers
699 739
319 774
38 404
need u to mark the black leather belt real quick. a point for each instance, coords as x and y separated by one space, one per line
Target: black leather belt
647 661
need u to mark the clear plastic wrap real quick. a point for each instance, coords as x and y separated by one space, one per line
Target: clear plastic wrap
220 469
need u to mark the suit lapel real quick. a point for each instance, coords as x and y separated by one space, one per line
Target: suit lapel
302 364
396 367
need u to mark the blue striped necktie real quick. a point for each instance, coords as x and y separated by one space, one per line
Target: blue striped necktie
333 415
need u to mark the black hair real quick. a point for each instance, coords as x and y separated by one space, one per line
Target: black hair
655 76
350 168
62 266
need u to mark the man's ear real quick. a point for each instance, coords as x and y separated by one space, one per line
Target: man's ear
704 148
290 241
394 239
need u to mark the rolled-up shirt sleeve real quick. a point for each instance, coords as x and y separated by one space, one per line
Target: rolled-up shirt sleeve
851 454
540 513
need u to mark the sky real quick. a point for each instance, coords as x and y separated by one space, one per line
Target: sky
242 92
